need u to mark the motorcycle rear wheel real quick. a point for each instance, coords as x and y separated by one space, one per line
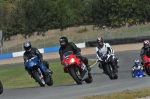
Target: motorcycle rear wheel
50 82
89 79
148 71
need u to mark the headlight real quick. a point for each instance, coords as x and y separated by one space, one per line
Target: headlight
32 64
72 60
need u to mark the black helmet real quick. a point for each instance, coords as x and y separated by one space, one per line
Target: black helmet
27 46
100 41
63 41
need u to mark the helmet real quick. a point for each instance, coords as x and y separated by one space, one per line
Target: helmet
137 62
146 44
27 46
100 41
63 41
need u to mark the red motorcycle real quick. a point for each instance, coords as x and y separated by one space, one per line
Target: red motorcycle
76 68
146 61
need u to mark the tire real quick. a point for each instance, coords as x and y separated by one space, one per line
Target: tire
1 88
116 77
89 80
148 71
115 74
37 78
73 73
50 82
109 71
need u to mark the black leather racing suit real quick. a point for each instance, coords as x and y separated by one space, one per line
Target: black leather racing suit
72 47
145 52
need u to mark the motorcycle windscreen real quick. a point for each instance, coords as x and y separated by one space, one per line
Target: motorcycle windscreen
32 62
67 54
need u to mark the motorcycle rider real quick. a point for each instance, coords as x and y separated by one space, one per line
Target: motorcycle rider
102 50
145 49
137 66
70 46
31 51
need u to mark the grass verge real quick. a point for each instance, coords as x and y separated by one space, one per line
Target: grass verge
127 94
17 77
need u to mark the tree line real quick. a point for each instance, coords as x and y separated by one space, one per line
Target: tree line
28 16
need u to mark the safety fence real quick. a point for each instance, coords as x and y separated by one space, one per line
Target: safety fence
78 34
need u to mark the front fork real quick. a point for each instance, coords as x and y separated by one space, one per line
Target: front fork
40 73
84 73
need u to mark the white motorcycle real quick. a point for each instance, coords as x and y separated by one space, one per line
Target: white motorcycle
109 63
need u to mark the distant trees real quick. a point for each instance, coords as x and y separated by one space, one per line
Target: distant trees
28 16
118 12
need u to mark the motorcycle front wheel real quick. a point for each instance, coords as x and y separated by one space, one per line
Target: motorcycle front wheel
74 72
1 88
109 71
39 78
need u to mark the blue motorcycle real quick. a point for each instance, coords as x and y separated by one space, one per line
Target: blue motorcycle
39 71
138 74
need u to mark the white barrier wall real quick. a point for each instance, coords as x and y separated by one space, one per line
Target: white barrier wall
81 45
17 54
44 50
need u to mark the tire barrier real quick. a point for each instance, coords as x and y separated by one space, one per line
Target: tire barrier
118 41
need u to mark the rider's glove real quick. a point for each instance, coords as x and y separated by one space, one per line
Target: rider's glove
78 54
104 56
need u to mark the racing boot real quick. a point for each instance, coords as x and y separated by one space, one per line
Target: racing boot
50 71
46 64
100 66
89 70
117 66
115 70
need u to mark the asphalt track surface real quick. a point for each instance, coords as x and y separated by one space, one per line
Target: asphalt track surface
101 83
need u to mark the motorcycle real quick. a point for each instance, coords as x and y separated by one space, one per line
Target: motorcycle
109 68
1 88
146 62
76 68
137 72
38 71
